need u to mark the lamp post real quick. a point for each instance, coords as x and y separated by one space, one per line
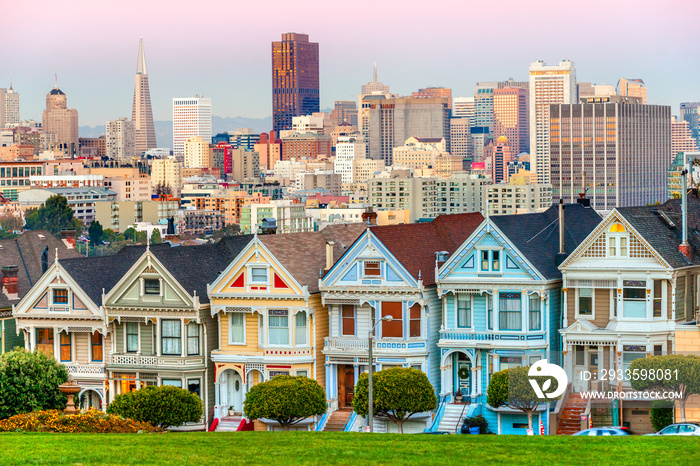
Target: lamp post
370 401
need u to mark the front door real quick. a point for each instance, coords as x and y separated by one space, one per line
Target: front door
235 392
349 385
579 384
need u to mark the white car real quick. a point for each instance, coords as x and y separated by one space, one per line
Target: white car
687 428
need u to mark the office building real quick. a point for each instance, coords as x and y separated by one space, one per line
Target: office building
141 112
464 107
166 175
191 118
374 87
555 84
344 112
595 90
243 137
483 104
510 117
197 153
269 149
690 112
347 150
435 92
310 145
61 121
501 155
516 198
461 140
9 108
632 88
681 137
295 79
245 165
622 152
120 140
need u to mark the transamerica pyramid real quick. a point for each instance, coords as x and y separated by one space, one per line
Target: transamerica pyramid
141 113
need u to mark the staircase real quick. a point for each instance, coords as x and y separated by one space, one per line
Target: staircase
570 421
338 419
452 418
229 424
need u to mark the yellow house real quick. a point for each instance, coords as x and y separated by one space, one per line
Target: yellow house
688 342
270 317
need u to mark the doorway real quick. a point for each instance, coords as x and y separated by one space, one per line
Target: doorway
346 385
462 373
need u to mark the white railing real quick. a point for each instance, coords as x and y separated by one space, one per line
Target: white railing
152 361
380 346
86 369
347 344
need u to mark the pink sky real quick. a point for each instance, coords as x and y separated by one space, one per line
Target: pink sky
222 48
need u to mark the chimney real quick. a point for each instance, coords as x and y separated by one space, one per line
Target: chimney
684 247
68 237
9 281
562 246
329 254
369 216
441 258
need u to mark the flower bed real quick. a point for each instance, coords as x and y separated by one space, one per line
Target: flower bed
88 421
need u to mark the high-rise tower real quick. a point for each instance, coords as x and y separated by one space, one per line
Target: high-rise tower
61 121
295 88
141 113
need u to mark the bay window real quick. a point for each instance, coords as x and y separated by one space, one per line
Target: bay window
414 322
658 297
535 313
585 301
300 329
510 315
65 347
236 328
192 339
132 337
96 344
348 320
632 352
394 327
464 312
489 314
634 299
171 337
278 327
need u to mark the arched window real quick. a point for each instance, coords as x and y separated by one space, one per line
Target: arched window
618 240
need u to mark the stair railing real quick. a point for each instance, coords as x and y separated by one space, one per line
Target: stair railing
442 402
461 417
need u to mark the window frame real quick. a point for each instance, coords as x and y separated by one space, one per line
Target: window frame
93 345
269 327
464 298
146 288
578 296
365 263
530 311
62 345
251 268
304 329
343 319
178 338
412 320
660 288
127 335
193 324
396 322
501 311
628 285
199 381
230 327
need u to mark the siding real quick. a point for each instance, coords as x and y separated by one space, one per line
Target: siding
363 319
571 305
553 321
81 340
146 332
680 298
119 335
10 339
320 321
210 343
669 300
479 313
434 316
602 306
334 313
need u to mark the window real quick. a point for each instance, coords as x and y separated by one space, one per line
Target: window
393 328
44 341
464 312
585 301
634 299
632 352
508 362
495 261
193 385
414 321
658 297
132 337
96 344
65 347
372 269
192 339
489 306
484 260
258 275
300 329
617 241
151 286
60 296
535 318
171 336
509 311
278 322
172 382
658 350
303 373
237 328
348 317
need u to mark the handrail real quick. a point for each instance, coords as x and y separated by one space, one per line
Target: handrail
461 417
442 402
349 423
322 422
210 417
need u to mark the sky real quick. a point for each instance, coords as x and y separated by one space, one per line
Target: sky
221 48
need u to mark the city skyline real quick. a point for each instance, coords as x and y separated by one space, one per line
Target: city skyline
232 66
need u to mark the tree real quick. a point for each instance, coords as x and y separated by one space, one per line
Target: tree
120 238
661 414
130 233
109 235
10 222
140 237
286 399
29 382
165 406
96 233
163 189
398 393
672 372
54 215
512 388
229 230
155 236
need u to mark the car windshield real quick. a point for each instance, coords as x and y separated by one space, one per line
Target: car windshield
669 430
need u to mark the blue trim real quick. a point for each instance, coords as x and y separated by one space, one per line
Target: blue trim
322 423
350 422
442 402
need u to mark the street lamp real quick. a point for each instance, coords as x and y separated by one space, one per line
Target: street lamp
370 402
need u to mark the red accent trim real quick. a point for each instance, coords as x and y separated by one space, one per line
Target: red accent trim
245 425
278 282
239 282
213 425
278 367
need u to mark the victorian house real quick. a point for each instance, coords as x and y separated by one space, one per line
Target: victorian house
627 288
271 320
501 305
388 272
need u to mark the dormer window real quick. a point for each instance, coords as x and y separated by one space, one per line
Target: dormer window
372 269
617 241
258 275
60 296
151 286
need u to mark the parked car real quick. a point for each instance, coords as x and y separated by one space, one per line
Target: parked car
686 428
604 431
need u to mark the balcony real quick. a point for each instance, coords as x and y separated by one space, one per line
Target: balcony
138 360
381 346
492 339
85 369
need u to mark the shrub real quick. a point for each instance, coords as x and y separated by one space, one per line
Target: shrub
286 399
661 414
29 382
165 406
398 393
477 421
89 421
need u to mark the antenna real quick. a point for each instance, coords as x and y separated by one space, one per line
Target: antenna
374 74
55 75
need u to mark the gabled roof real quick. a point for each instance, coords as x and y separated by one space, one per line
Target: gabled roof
25 252
415 244
650 224
536 235
192 266
304 254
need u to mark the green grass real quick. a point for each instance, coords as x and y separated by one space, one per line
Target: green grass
340 448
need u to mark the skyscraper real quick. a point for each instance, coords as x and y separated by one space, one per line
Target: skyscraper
632 88
375 87
141 113
690 112
9 107
191 117
548 85
119 140
61 121
682 139
510 117
295 82
622 146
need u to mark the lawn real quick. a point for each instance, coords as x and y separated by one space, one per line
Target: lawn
340 448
